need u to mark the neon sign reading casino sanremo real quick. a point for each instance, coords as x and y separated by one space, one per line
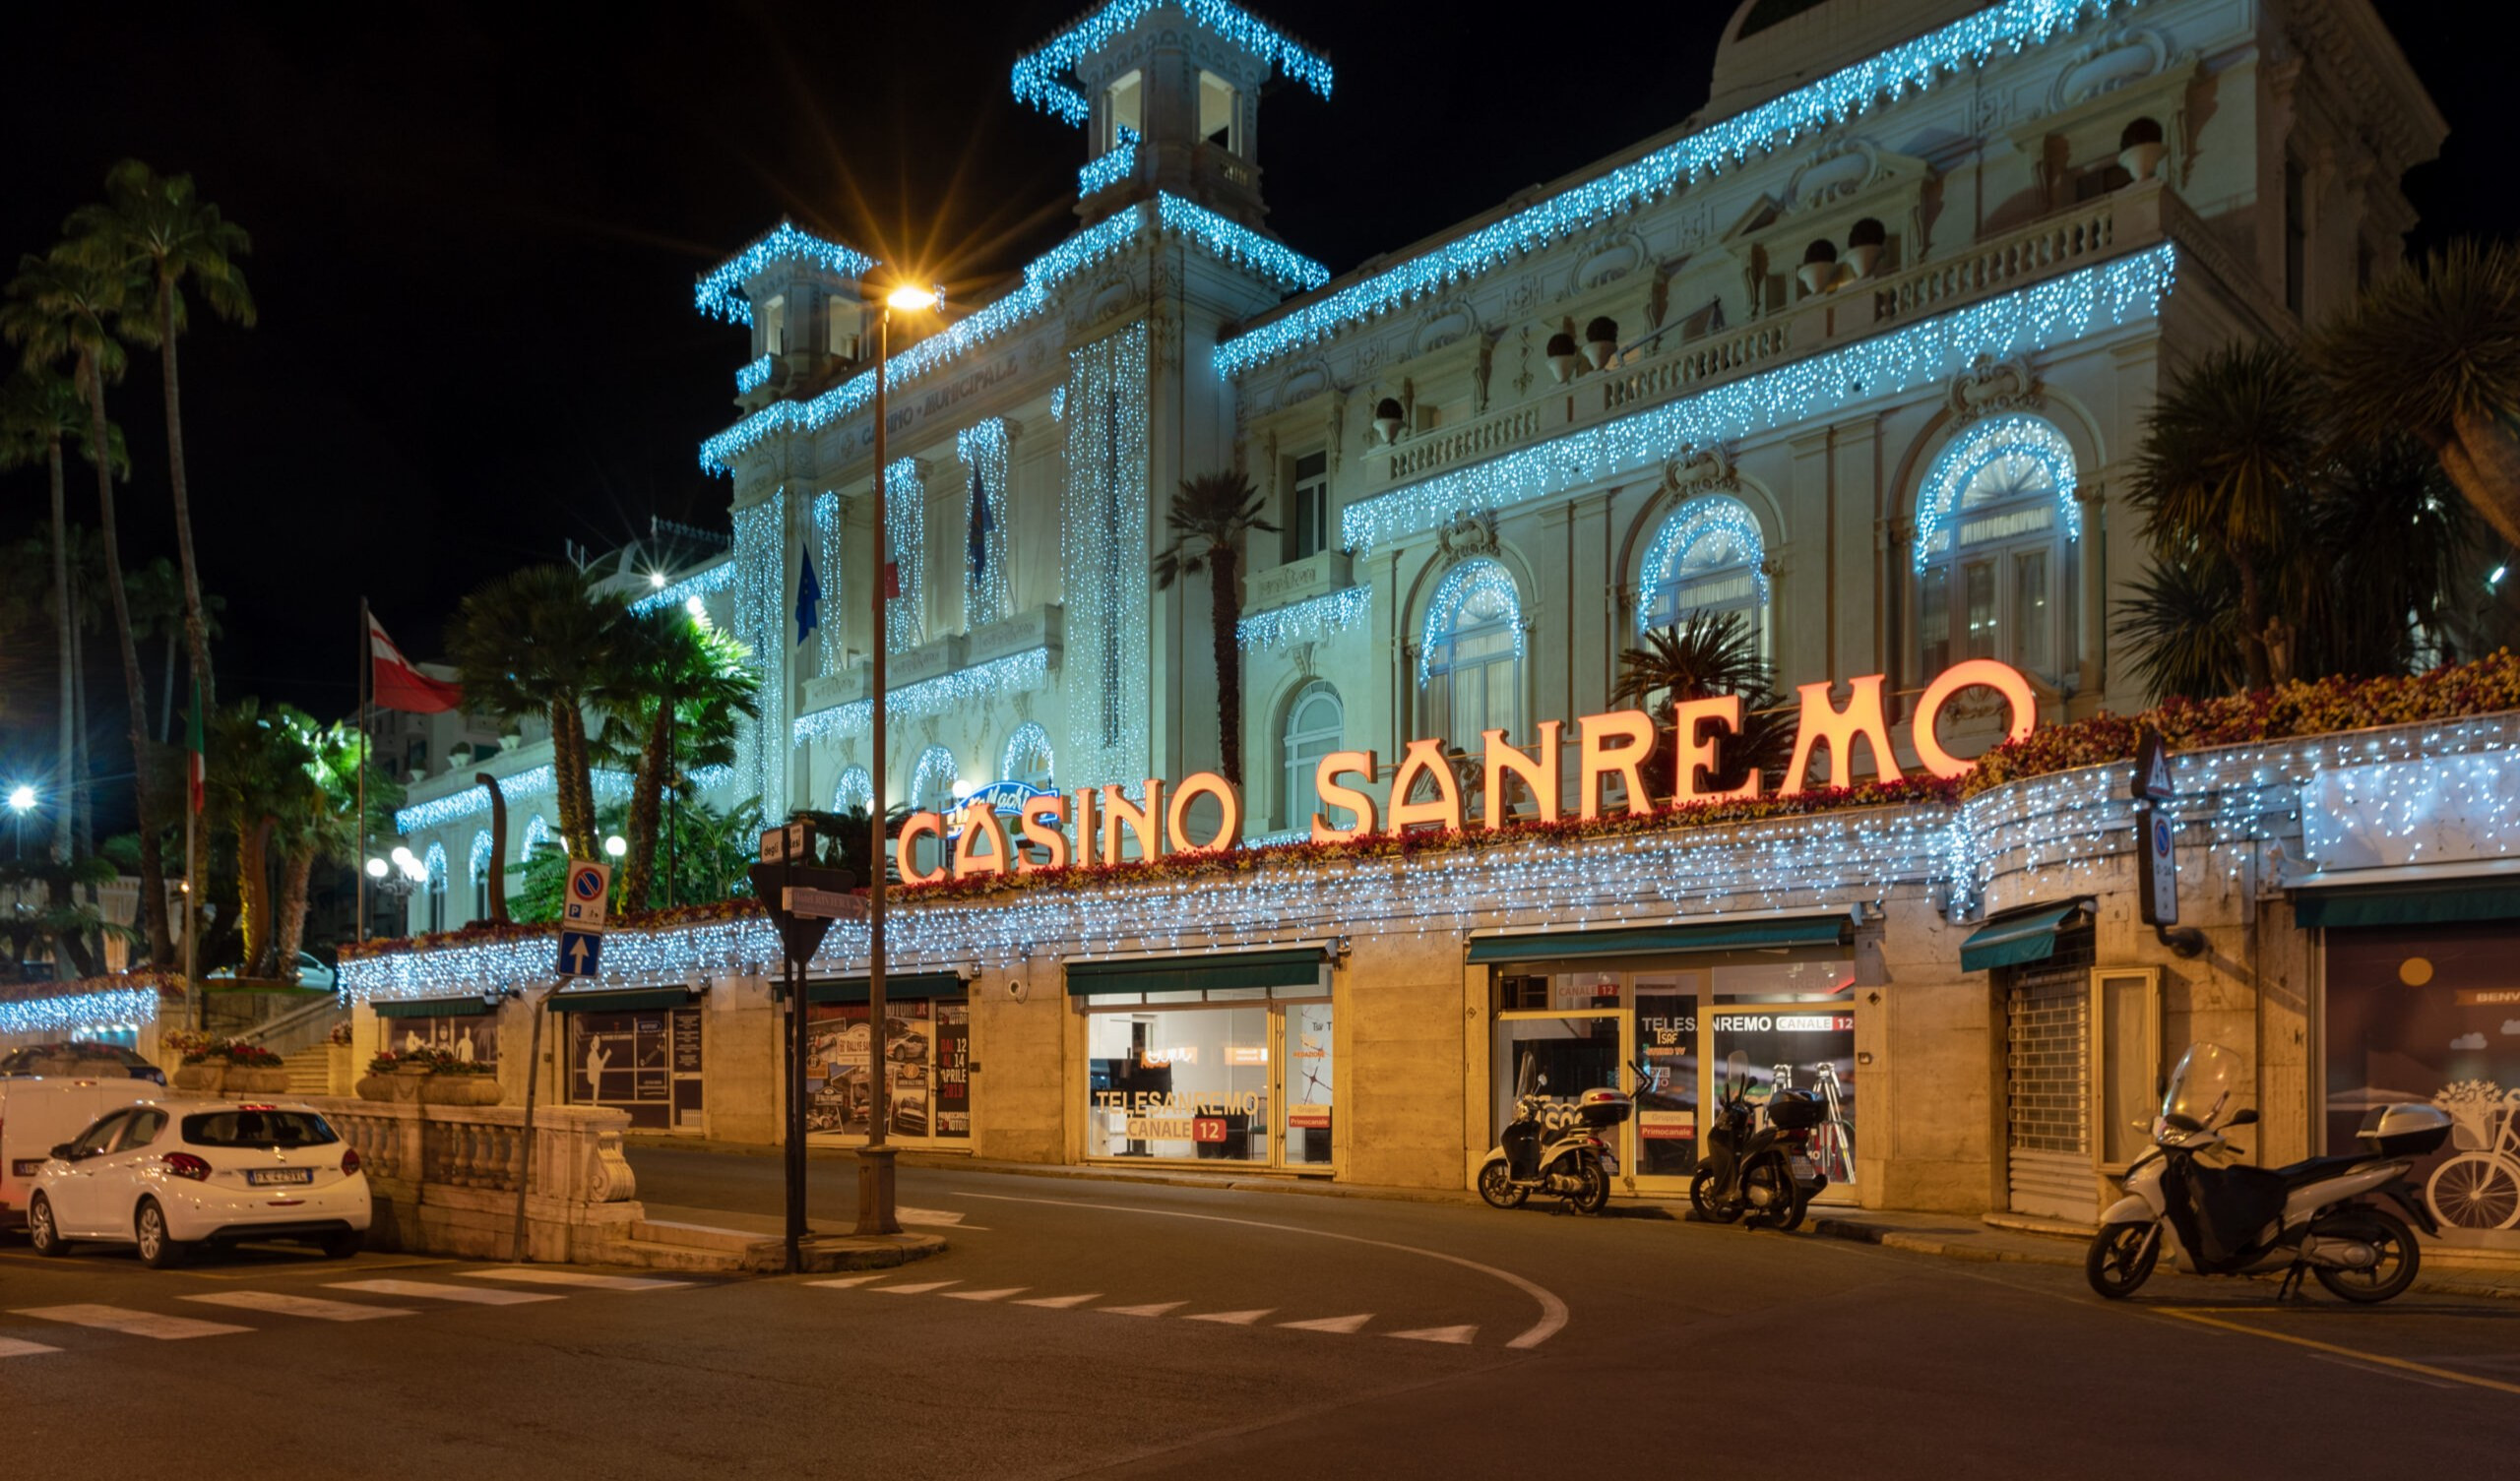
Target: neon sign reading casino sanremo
1612 744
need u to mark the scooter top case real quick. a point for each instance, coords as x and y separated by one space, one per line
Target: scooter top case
2410 1129
1604 1107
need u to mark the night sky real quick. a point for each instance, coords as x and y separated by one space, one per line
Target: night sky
476 226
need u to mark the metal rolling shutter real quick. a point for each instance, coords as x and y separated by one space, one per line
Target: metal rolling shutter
2047 1087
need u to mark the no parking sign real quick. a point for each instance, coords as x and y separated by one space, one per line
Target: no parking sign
589 894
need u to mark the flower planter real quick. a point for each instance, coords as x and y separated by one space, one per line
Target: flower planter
459 1090
272 1080
208 1077
375 1088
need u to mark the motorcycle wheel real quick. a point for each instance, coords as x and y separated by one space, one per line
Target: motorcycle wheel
1497 1185
1774 1203
1702 1198
2121 1258
2390 1275
1595 1194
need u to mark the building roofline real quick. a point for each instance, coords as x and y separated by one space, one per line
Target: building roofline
1038 74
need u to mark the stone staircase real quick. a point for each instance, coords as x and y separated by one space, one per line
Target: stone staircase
310 1069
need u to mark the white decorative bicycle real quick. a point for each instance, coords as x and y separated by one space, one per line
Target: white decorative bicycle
2480 1188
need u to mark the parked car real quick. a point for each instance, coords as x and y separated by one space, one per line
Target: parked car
36 1114
168 1175
84 1060
311 973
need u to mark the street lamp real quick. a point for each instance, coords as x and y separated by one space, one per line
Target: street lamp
875 1213
616 847
22 801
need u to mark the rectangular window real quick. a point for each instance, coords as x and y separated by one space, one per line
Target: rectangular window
1179 1083
1934 618
840 321
773 327
1977 581
1308 530
472 1039
1125 109
647 1062
1218 121
2030 610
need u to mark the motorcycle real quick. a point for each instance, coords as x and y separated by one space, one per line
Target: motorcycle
1748 1173
2229 1218
1552 1147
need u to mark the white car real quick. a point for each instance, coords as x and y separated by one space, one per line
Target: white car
166 1175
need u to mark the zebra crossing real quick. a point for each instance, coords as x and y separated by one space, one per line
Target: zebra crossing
403 1298
1353 1324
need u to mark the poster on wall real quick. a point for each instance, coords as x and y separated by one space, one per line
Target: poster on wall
922 1041
2432 1013
473 1040
953 1070
633 1062
1667 1030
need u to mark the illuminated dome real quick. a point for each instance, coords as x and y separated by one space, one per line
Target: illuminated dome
1773 46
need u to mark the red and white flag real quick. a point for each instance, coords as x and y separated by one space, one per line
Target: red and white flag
399 685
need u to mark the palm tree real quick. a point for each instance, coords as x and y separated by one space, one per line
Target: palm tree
536 641
327 826
1210 515
260 779
675 692
2182 619
38 412
159 616
1706 655
77 931
2226 454
2433 353
158 224
67 307
2390 541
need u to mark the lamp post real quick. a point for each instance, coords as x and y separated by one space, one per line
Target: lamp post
875 1213
22 801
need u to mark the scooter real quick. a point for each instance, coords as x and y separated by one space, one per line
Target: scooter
2233 1219
1552 1147
1747 1174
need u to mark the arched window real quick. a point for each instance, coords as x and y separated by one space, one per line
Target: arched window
1469 658
1992 522
855 792
1028 758
436 888
1708 557
1316 725
538 832
477 872
931 790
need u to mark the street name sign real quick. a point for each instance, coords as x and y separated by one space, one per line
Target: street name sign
818 905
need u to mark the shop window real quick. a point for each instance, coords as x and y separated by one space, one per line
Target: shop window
647 1062
1470 659
1993 522
1708 557
1123 109
473 1039
1307 522
1316 725
1238 1074
928 1059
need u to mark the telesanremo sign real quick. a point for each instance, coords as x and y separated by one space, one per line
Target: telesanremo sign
974 842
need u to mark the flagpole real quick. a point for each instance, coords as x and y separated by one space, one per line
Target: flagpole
366 676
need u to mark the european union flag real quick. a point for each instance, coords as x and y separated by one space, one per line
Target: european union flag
810 601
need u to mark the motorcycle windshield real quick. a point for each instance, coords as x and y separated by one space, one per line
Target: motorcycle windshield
2205 1088
1736 1073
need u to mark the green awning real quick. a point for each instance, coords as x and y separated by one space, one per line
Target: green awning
2403 906
905 988
1182 975
2028 934
1737 935
431 1008
622 1000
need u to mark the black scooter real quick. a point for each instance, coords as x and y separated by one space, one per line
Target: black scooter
1746 1174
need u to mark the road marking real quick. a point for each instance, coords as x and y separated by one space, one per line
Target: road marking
1340 1324
920 1289
947 1216
1000 1295
1552 1311
2357 1354
537 1276
1461 1334
11 1347
850 1280
131 1322
1154 1309
1234 1319
281 1304
2360 1366
1062 1303
474 1295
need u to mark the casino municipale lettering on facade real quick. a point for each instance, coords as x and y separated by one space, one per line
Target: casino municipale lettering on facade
1859 356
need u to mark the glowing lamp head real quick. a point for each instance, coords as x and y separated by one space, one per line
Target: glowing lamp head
910 298
402 854
698 609
22 798
656 580
616 847
376 869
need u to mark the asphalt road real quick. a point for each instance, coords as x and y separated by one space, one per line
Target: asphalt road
1109 1328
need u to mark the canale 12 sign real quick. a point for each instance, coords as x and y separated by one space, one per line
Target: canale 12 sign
1617 744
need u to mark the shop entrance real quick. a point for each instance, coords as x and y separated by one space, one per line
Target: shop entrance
1580 1026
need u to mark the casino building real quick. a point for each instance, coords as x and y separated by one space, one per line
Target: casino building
1860 352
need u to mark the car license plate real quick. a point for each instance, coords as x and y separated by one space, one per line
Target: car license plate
280 1177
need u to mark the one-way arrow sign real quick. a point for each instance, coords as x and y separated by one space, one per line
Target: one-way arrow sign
581 954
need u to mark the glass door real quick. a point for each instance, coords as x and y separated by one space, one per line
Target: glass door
1665 1127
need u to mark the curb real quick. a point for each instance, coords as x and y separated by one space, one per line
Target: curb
849 1253
1962 1247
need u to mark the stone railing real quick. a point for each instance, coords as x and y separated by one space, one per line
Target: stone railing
2051 245
1501 432
1721 359
445 1178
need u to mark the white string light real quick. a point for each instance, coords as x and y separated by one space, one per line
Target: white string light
1715 517
986 598
1480 592
118 1009
1105 555
1306 621
721 294
716 578
751 378
761 626
2019 448
946 692
1111 168
1040 75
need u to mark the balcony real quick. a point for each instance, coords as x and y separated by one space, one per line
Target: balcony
1316 574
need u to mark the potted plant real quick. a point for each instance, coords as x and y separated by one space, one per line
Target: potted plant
2140 148
1561 357
1819 270
1601 341
1865 241
394 1079
1387 420
253 1070
204 1067
458 1082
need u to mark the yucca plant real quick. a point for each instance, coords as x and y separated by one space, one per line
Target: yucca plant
1703 655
